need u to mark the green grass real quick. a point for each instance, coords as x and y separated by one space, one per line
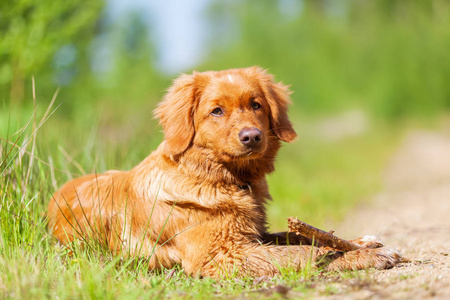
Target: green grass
315 180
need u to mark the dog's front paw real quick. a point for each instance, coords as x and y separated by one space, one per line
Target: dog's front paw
384 258
368 241
365 258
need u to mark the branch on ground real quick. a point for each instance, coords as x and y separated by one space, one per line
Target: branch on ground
323 237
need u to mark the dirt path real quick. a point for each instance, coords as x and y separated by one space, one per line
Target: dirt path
411 214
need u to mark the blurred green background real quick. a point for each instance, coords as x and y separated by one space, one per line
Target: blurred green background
361 72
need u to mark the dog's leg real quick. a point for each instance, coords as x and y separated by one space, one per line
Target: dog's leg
378 258
259 260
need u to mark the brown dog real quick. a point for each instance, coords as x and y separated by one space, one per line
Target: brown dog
199 199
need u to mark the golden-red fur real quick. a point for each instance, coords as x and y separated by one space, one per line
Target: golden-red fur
199 199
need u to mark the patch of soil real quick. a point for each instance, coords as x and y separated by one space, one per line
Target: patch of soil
412 215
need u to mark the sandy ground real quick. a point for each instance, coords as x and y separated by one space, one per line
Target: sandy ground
411 214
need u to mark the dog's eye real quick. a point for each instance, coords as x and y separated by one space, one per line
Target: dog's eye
217 111
256 105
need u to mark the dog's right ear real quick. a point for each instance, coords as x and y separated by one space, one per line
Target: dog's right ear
277 96
175 114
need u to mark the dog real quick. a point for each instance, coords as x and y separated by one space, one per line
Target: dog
199 200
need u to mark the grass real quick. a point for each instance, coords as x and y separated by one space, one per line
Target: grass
316 180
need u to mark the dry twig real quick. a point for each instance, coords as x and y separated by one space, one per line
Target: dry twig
323 237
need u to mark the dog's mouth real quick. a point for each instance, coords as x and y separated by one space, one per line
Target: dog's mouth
249 155
246 153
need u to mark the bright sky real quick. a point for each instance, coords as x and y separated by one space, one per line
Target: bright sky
177 25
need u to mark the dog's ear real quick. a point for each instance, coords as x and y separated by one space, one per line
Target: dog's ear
175 114
277 95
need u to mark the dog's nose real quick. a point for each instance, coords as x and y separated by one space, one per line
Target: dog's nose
250 136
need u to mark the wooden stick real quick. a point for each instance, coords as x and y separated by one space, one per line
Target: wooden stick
323 237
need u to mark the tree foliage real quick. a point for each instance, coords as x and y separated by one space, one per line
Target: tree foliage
387 56
33 31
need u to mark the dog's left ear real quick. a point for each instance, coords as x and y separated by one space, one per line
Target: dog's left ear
175 114
277 95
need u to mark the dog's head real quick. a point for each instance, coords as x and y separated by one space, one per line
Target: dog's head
235 113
